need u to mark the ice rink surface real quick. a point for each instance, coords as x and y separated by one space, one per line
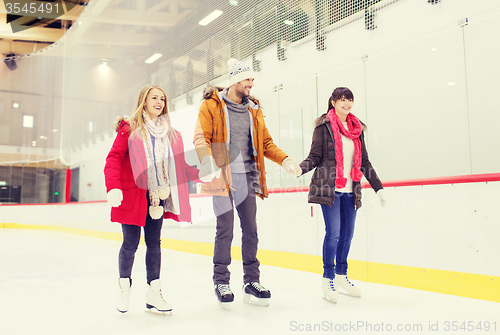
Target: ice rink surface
56 283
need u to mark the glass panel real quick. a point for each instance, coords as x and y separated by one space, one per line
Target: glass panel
483 85
269 103
415 93
297 102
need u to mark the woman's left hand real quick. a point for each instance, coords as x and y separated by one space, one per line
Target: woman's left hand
381 197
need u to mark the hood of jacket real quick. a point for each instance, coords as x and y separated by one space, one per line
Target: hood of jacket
118 122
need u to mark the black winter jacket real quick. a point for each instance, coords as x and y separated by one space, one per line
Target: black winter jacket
322 157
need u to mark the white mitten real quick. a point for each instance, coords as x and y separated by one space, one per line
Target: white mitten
208 169
381 197
115 197
291 167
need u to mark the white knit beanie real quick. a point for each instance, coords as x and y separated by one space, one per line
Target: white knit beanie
238 71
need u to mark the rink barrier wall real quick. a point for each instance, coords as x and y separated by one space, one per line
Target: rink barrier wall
469 285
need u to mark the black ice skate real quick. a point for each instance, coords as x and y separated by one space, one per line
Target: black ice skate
256 294
225 296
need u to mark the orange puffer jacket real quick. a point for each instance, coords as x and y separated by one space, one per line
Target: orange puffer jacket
211 138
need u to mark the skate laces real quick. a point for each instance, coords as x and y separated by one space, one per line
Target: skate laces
224 289
348 282
258 286
331 284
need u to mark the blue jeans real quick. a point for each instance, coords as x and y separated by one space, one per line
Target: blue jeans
152 237
339 226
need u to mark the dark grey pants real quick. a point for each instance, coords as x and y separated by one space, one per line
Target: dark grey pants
242 196
131 237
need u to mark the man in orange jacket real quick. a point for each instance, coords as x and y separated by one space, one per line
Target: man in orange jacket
231 140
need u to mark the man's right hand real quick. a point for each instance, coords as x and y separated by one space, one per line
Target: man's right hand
208 169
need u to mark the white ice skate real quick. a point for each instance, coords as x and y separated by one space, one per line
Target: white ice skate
329 291
256 294
341 281
154 299
224 295
124 297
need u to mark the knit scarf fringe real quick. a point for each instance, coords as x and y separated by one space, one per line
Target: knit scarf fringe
353 133
158 183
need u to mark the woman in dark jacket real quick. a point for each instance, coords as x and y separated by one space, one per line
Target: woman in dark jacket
338 155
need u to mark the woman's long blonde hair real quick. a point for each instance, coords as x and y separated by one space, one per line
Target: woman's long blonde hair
137 120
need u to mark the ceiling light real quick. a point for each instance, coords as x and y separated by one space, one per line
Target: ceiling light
289 22
451 83
153 58
210 17
233 2
434 49
33 143
104 63
54 130
15 105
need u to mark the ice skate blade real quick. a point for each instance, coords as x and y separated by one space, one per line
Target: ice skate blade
330 300
225 305
350 295
251 300
153 310
123 312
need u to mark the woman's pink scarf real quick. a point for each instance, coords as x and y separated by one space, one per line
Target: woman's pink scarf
353 133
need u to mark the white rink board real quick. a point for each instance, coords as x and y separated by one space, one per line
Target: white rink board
445 227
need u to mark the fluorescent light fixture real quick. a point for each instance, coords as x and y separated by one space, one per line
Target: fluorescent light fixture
434 49
289 22
210 17
104 63
33 144
15 105
54 130
91 127
153 58
3 183
233 2
28 121
451 83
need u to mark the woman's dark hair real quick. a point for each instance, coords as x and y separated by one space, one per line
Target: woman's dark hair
339 93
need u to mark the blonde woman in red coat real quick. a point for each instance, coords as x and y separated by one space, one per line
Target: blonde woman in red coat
146 179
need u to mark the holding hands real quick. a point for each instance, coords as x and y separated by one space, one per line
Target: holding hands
208 169
291 167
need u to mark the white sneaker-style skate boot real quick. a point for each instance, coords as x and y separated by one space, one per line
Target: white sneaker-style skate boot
341 281
124 297
329 291
154 299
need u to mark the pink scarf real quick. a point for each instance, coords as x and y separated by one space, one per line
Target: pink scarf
353 133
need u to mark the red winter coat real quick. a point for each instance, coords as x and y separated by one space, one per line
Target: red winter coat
118 173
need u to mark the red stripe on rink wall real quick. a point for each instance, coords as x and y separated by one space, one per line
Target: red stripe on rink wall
472 178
